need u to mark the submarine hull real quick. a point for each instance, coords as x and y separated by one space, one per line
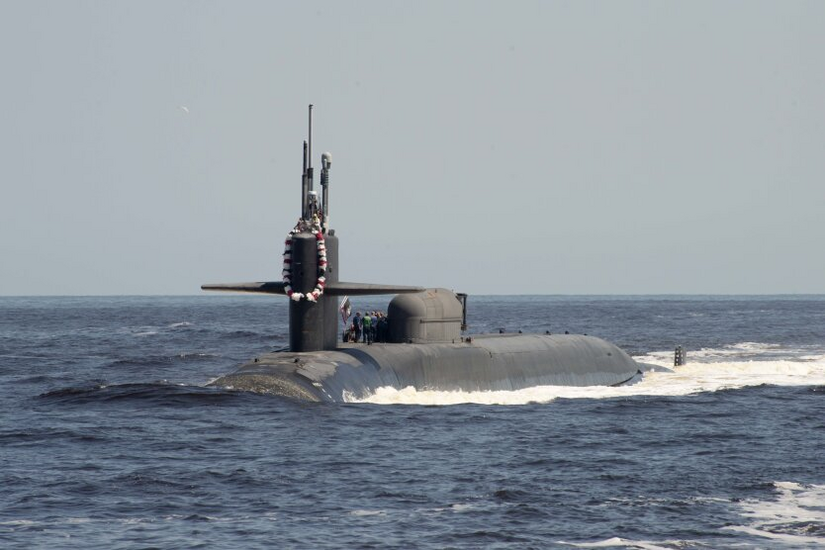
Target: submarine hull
481 363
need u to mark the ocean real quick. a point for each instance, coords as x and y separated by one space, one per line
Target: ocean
110 437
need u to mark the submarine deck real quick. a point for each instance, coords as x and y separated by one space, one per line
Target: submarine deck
479 363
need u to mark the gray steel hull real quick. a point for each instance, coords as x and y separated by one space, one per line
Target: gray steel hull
486 363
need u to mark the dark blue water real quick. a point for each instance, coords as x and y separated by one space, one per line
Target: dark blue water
109 437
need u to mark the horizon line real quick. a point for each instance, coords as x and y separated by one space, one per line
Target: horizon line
229 293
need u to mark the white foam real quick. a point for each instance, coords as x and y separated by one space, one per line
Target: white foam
622 543
796 508
461 507
454 508
18 522
750 350
694 377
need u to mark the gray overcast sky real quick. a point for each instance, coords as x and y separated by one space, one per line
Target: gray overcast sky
505 148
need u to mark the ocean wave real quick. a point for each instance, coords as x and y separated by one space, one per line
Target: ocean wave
796 518
159 393
35 436
368 513
157 360
196 355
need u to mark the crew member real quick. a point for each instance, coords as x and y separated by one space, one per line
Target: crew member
356 323
384 328
367 328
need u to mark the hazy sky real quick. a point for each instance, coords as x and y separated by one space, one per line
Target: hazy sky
489 147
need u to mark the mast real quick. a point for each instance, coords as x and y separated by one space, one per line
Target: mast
326 163
310 189
304 183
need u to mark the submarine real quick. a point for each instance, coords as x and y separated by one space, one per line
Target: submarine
427 344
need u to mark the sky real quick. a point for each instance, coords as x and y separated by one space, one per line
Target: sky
487 147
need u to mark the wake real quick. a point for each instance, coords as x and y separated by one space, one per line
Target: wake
708 370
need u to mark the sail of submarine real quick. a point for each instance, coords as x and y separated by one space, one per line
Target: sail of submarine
426 347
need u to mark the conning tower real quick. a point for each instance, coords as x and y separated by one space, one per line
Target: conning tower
313 320
310 276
